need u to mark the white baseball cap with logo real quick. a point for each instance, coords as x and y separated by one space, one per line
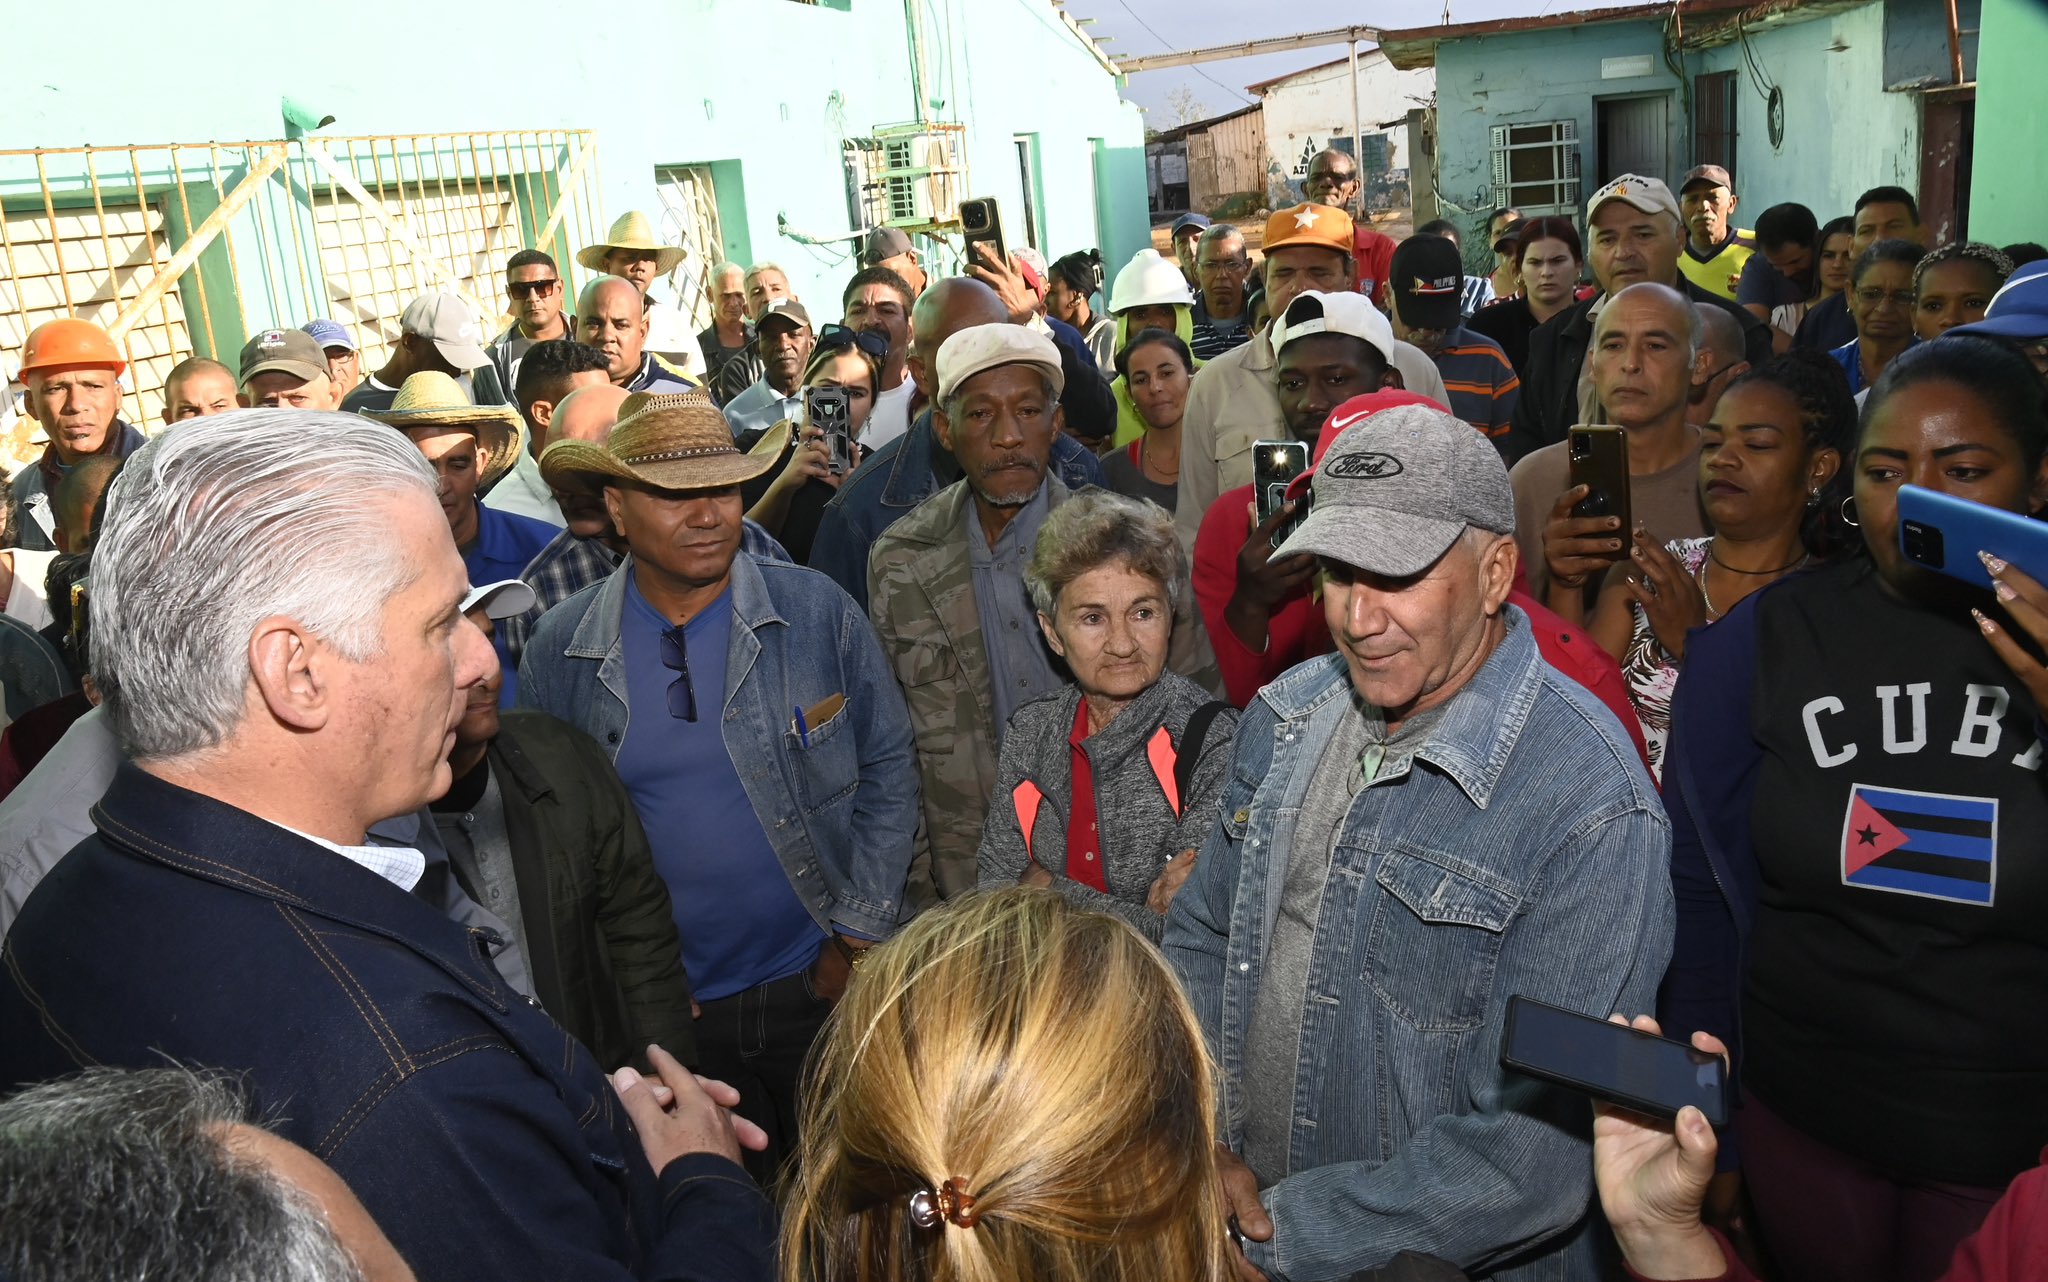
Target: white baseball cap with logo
1342 312
446 321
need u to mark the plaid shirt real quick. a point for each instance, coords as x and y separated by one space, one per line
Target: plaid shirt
559 571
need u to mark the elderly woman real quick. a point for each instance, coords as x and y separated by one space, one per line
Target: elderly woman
1105 790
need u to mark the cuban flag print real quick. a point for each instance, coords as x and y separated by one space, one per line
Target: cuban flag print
1921 843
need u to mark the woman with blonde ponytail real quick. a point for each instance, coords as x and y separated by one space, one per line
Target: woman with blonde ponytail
1012 1090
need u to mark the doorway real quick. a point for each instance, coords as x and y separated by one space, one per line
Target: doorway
1633 137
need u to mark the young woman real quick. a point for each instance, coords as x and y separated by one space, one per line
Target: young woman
1011 1090
1883 301
1156 368
788 501
1550 255
1954 284
1772 483
1070 283
1857 806
1827 323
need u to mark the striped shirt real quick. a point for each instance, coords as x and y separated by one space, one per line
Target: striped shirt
1481 383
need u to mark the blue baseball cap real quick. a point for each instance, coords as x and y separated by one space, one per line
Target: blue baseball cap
329 333
1198 221
2019 309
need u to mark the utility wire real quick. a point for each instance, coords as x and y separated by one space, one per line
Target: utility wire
1170 48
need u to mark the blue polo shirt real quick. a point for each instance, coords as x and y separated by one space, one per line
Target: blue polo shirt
740 920
505 544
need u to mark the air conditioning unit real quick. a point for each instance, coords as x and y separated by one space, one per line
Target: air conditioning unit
908 176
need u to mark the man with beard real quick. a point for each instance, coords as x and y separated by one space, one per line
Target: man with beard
783 335
946 585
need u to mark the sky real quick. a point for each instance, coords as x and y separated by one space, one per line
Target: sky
1128 28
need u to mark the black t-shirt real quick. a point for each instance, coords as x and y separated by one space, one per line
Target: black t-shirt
806 506
1893 1005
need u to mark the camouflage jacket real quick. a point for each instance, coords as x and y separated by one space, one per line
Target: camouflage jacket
921 598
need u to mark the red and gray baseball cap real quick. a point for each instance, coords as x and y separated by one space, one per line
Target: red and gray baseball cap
1399 486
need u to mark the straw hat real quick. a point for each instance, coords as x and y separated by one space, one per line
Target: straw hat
633 231
671 441
432 399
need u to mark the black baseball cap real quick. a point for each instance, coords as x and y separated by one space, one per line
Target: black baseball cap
1428 282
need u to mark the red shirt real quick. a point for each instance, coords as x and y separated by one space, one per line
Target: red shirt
1296 631
1372 258
1084 834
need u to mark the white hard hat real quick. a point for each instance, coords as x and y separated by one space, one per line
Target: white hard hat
1149 280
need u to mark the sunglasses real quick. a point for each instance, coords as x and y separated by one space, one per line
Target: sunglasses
873 344
531 288
682 694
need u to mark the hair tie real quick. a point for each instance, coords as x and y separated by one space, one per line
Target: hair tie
948 1203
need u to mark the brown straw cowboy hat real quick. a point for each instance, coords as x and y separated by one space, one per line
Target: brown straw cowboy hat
670 441
633 231
433 399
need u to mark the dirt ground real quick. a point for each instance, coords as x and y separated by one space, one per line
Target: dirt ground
1394 222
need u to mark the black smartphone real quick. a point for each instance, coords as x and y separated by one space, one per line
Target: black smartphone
1613 1062
1599 461
1275 464
1945 533
982 223
825 408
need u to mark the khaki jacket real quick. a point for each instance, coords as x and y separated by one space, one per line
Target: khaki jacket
921 598
1234 401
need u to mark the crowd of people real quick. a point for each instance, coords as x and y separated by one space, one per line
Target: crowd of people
545 807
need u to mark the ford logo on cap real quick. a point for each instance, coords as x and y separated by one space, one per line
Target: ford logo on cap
1367 466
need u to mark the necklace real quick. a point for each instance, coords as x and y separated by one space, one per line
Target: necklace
1714 554
1171 469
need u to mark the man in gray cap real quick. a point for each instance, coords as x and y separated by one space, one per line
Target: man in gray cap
286 369
890 247
437 332
1436 820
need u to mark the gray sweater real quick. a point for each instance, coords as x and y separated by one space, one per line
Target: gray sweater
1139 830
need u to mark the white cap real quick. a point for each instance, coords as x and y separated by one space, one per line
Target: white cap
1336 313
984 347
501 600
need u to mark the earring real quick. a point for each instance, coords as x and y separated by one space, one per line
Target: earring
1848 510
1813 498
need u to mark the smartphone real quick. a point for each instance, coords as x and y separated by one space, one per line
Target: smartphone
825 408
1945 533
1650 1074
981 222
1274 465
1599 461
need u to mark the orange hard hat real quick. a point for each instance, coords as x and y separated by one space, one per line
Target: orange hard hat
68 342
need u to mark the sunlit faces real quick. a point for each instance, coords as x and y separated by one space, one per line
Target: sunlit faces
636 265
1320 372
1885 220
1158 380
1629 247
536 293
687 537
204 391
614 321
1707 208
1755 467
1000 425
764 286
275 389
1642 366
1549 272
76 408
458 461
1411 643
1295 270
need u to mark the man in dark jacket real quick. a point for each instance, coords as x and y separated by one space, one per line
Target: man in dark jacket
229 915
540 830
1634 234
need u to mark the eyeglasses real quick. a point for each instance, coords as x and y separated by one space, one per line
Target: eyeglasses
531 288
682 695
1323 178
1872 296
844 336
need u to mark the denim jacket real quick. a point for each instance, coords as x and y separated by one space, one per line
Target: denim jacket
842 813
370 1030
1523 850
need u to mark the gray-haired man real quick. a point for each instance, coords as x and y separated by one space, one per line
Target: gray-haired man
1434 820
230 913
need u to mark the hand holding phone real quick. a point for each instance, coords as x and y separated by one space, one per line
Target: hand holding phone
827 410
1613 1062
1275 464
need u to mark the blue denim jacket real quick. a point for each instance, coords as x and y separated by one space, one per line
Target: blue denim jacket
841 813
370 1030
1523 851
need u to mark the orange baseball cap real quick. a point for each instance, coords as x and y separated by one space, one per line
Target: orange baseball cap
1322 226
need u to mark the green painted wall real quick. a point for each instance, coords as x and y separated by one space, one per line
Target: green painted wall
2011 189
764 91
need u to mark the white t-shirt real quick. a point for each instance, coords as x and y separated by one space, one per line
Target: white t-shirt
26 600
890 417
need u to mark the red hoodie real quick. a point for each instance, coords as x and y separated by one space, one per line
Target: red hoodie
1296 631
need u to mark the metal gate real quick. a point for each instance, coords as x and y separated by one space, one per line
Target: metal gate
184 249
689 218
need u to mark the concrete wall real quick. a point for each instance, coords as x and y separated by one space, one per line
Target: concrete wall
1306 111
2007 201
762 90
1844 132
